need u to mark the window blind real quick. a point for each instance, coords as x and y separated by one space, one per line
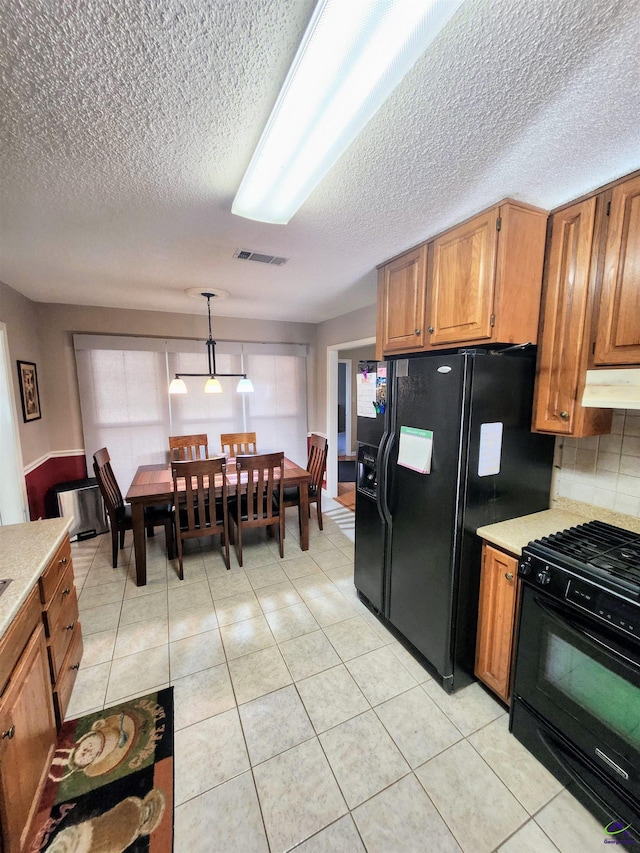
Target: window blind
125 404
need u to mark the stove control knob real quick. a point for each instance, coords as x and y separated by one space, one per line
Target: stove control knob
543 577
525 568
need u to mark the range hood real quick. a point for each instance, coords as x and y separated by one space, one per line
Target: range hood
612 389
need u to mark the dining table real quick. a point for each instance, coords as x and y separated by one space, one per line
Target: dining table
153 485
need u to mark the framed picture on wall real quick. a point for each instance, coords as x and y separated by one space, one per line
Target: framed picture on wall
29 394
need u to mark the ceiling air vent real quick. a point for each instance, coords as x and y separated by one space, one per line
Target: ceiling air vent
246 255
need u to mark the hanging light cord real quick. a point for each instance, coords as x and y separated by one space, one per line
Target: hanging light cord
211 352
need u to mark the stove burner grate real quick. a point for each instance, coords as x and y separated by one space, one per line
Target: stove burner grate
610 554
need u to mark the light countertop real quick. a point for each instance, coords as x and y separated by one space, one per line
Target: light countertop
25 550
514 534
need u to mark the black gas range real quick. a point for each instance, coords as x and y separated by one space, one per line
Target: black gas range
576 689
595 566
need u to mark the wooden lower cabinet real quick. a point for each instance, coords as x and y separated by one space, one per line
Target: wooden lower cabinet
496 619
62 626
39 659
63 684
27 737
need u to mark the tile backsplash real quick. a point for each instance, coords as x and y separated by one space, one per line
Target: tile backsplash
603 470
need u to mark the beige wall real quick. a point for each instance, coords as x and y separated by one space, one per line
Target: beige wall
23 338
43 333
352 328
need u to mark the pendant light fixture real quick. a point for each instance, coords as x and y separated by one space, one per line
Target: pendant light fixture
212 385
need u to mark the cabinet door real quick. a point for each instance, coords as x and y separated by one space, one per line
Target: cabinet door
402 303
67 674
618 331
563 352
496 616
27 741
463 282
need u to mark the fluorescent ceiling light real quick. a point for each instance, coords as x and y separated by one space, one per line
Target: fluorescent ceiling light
351 58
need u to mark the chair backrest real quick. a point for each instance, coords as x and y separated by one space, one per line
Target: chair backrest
238 443
185 448
107 483
263 475
194 493
317 461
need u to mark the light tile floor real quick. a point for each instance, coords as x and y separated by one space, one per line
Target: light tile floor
300 722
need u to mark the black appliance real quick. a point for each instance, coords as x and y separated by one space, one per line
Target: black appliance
467 414
576 693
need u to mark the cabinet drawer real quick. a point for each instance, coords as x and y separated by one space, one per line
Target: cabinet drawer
50 578
62 633
17 636
58 601
67 676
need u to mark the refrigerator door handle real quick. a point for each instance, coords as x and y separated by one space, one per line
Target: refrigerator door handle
386 445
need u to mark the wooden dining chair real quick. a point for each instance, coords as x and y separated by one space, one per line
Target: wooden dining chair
185 448
119 513
316 466
259 497
197 510
238 443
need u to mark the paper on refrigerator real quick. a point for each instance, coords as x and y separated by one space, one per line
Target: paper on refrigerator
366 394
415 449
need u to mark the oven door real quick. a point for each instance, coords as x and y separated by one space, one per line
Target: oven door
584 681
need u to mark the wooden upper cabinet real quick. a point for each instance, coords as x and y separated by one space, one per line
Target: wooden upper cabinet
401 303
487 278
564 348
477 283
618 328
462 286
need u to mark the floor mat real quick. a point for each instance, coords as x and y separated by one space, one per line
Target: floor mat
110 785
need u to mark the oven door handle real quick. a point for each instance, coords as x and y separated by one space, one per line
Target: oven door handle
555 746
554 610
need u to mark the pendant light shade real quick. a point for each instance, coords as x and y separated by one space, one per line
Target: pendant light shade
177 386
245 386
212 385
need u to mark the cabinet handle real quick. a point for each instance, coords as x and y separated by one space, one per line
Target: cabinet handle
431 330
66 591
564 416
71 626
63 561
9 733
75 666
508 576
417 331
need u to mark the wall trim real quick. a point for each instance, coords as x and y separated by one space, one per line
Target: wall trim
53 454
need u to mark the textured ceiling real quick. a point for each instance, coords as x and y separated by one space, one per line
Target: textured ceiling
126 126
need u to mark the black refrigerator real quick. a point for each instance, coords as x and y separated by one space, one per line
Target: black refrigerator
449 450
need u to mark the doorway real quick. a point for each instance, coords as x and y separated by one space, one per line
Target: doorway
352 352
344 407
13 497
346 456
